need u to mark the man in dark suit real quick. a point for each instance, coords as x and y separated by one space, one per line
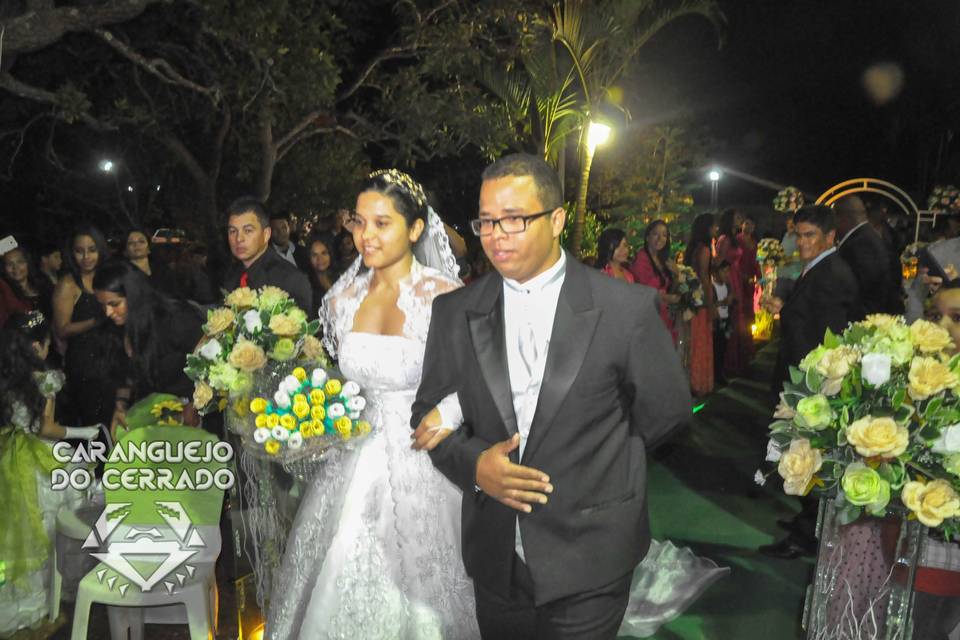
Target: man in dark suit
861 247
283 244
826 296
257 265
570 373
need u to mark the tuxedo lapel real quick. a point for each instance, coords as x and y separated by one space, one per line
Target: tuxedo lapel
573 327
489 346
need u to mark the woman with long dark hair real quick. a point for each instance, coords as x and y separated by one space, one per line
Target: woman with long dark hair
29 289
136 248
323 271
731 249
28 392
698 255
158 333
613 252
653 267
93 357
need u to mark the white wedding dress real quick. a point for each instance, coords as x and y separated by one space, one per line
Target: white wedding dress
374 552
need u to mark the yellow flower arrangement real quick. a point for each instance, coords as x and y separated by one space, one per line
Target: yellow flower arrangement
881 437
218 321
933 502
242 298
247 356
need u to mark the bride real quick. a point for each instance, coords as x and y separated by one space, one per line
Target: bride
375 548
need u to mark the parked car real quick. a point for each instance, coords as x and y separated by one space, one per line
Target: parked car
169 236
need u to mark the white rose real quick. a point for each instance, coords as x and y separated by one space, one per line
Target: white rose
759 478
280 433
949 440
318 378
281 399
211 350
290 384
251 319
773 451
261 435
876 368
295 440
336 410
357 403
350 389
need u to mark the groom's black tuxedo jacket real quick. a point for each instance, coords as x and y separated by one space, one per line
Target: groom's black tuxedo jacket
613 386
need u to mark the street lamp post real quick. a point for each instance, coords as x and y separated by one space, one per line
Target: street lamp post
714 176
110 167
595 135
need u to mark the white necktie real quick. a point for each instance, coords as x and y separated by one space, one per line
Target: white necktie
529 351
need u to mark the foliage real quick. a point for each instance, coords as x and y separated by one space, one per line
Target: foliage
592 229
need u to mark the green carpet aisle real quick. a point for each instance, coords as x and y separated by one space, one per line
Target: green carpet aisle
702 495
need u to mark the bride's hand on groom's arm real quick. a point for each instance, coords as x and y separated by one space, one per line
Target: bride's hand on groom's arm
429 433
511 484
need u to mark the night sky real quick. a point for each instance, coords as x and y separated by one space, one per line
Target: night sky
784 97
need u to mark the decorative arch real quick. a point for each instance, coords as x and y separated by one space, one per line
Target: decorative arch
881 187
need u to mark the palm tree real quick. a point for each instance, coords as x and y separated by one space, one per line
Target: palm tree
599 39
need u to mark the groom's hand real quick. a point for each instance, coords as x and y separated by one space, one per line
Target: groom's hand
514 485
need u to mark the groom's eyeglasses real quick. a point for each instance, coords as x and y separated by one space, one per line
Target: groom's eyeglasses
508 224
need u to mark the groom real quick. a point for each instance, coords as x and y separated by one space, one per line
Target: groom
565 377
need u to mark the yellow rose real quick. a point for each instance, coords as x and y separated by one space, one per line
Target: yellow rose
929 338
202 394
273 420
878 437
261 421
317 412
932 502
881 321
363 427
241 298
300 374
927 377
301 409
247 356
313 349
797 466
288 422
333 387
343 426
317 397
301 398
284 325
218 321
258 405
272 447
836 363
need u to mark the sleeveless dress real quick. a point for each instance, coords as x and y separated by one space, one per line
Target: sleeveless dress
89 364
374 551
26 463
740 345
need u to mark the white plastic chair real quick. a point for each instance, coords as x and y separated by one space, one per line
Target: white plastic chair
188 595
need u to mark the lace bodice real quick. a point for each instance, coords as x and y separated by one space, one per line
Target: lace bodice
417 292
50 383
382 363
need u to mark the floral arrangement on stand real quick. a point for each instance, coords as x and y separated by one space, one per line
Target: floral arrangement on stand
306 415
944 199
690 290
872 418
769 250
910 259
788 200
240 338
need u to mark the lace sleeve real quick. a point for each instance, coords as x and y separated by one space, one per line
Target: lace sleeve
416 300
340 305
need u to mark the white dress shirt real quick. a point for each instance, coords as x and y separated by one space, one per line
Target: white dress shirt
815 261
286 255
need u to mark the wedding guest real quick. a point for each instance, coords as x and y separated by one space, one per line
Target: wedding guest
195 276
93 351
283 244
825 297
721 326
613 252
28 289
158 333
257 265
652 266
792 265
136 248
322 271
729 248
346 251
750 269
863 249
702 233
51 262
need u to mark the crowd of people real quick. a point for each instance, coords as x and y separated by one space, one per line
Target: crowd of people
478 374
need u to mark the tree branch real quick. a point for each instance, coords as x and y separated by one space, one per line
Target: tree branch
283 150
37 94
37 29
389 53
186 157
157 67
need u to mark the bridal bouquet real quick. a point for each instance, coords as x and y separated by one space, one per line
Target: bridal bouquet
769 250
788 200
252 329
690 290
306 414
873 416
